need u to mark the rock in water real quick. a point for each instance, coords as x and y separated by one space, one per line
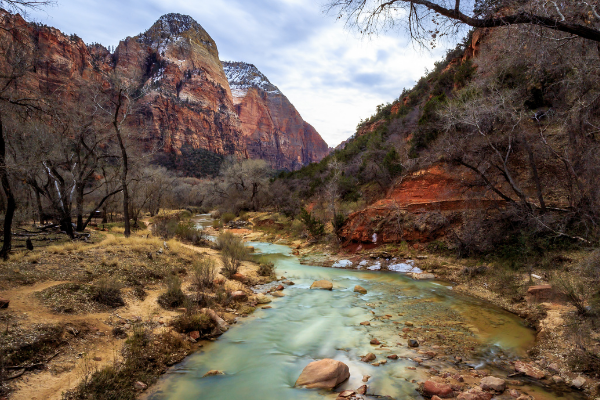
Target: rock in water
360 289
368 358
325 285
413 343
323 374
493 383
431 388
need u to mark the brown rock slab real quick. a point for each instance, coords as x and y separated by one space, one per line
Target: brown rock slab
541 293
365 323
323 374
375 342
239 295
393 357
140 386
475 394
368 358
432 388
347 393
493 383
529 370
322 284
277 294
362 390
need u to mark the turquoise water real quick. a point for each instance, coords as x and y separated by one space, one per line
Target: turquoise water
263 355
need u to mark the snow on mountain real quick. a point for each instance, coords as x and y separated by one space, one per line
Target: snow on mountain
242 76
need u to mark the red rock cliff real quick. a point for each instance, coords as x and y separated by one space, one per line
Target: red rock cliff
272 127
186 99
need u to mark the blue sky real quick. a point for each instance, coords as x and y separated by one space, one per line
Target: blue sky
334 77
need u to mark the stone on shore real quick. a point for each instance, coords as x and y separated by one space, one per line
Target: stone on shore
578 382
140 386
493 383
474 394
529 370
239 278
432 388
323 374
277 294
238 295
413 343
262 299
323 284
360 289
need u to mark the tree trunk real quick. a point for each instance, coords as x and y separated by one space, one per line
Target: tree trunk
124 165
536 176
38 200
79 188
11 204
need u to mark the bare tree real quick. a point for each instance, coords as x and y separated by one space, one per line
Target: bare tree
428 19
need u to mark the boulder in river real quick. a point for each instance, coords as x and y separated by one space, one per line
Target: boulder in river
323 284
360 289
368 358
413 343
323 374
277 294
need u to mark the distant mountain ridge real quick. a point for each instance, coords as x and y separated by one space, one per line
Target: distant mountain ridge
187 108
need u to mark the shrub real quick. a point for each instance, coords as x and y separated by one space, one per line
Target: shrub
217 224
189 231
338 222
204 273
314 225
190 322
266 269
174 296
233 252
243 216
227 217
107 292
165 226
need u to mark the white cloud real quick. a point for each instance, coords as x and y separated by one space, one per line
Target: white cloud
332 76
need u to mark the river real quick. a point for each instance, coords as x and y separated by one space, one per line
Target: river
263 355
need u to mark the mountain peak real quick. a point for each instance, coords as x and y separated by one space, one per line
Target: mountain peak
242 76
175 24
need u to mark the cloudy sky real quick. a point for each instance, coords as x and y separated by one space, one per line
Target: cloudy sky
333 77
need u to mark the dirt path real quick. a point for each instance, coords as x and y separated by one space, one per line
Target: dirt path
81 356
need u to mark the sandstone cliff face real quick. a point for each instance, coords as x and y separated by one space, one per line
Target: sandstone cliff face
185 99
427 204
272 127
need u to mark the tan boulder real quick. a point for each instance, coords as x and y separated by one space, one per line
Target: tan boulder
323 284
323 374
493 383
262 299
360 289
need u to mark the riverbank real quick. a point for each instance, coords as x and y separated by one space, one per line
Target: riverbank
81 315
553 318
